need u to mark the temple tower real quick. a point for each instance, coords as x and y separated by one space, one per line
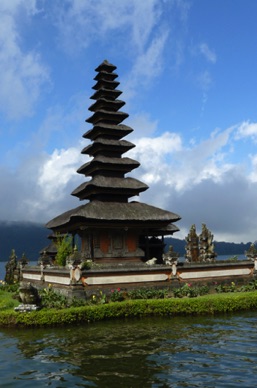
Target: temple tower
111 228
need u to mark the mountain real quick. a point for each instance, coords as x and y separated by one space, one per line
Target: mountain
24 237
220 247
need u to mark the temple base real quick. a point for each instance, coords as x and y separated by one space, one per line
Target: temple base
81 283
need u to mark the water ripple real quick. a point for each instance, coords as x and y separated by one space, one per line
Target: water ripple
154 352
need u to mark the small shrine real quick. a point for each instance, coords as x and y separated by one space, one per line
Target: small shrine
111 228
200 249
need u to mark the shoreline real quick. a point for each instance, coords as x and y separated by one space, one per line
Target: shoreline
202 305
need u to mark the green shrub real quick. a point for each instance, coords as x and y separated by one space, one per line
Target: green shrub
187 290
64 249
13 288
117 295
251 286
148 293
51 299
98 298
226 287
207 304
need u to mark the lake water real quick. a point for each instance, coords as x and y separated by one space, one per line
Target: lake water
155 352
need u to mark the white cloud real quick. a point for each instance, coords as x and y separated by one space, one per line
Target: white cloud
140 30
204 80
153 153
247 129
22 74
83 22
253 175
57 172
167 158
147 66
142 125
207 53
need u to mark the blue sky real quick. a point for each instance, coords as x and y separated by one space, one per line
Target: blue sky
188 74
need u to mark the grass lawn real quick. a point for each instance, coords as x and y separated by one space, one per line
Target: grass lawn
7 302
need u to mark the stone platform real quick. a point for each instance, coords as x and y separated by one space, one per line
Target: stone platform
76 281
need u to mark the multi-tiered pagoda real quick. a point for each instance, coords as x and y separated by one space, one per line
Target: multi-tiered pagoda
115 229
111 228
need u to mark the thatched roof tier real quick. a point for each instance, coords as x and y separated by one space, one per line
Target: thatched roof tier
108 147
110 105
105 83
105 75
108 117
108 131
103 213
106 93
106 66
127 187
167 230
103 164
51 248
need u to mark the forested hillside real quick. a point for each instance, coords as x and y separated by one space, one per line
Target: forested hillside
28 238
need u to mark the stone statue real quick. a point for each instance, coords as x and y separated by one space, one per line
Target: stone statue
170 257
252 252
28 294
74 259
206 246
192 249
200 249
151 261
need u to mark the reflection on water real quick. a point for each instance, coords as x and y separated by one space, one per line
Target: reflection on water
154 352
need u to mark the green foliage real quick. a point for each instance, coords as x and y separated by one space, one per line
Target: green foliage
7 299
64 249
251 286
148 293
187 290
207 304
98 298
226 287
117 295
13 288
87 264
51 299
58 310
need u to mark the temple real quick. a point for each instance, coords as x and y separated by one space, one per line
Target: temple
113 229
121 241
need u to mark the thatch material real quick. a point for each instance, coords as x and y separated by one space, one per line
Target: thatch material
136 212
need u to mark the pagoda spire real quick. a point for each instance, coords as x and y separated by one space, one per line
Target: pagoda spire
108 167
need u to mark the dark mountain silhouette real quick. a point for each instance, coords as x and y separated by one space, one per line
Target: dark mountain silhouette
24 237
30 238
